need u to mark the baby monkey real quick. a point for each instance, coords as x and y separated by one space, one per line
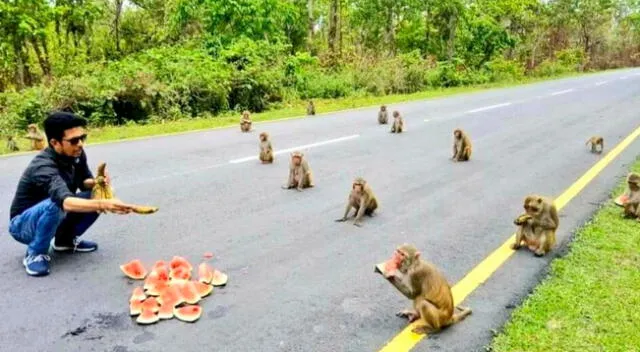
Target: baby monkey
266 150
12 146
300 175
362 199
596 141
461 146
245 121
383 115
36 137
632 204
398 123
311 109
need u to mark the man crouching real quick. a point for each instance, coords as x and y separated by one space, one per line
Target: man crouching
46 205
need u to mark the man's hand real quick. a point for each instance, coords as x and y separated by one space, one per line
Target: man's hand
114 206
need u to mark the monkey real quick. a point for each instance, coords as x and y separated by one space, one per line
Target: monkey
266 149
300 174
537 225
245 122
362 199
311 109
12 146
461 146
398 123
422 282
383 115
36 137
632 204
596 141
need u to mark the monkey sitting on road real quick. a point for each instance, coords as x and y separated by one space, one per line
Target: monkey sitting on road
311 109
398 123
383 115
245 122
461 146
36 137
537 225
266 150
300 175
12 146
362 199
430 292
632 204
596 141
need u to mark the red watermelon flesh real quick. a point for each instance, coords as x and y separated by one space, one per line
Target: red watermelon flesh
147 317
134 270
203 289
150 304
189 292
166 311
171 296
205 273
188 313
137 294
135 307
180 273
178 261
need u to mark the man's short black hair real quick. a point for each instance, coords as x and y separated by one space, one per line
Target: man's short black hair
58 122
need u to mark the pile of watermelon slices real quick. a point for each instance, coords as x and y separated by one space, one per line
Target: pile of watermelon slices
169 289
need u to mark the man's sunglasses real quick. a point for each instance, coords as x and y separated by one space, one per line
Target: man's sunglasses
76 140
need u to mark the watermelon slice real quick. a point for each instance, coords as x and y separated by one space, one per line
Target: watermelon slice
219 278
171 296
135 307
620 200
150 304
188 313
137 295
205 273
178 261
180 273
203 289
166 311
134 270
189 292
157 288
387 268
147 317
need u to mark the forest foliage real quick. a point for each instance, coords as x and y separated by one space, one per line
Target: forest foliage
137 61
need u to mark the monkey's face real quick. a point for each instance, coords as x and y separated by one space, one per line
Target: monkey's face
31 129
396 114
383 108
457 134
634 185
263 137
296 160
404 260
357 187
533 207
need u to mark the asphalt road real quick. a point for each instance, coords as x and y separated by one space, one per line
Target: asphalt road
298 281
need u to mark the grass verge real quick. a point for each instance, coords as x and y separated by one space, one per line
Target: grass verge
589 301
292 110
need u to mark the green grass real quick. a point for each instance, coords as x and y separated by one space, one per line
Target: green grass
591 299
298 109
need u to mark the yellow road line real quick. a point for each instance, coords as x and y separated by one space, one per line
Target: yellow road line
406 339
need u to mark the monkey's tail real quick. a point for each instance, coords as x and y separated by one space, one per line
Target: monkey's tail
458 316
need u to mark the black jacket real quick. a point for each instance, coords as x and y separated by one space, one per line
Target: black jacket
50 175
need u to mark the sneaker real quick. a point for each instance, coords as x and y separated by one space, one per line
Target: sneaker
36 265
77 246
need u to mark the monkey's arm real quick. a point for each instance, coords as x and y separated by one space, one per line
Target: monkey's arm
402 285
346 211
363 204
545 222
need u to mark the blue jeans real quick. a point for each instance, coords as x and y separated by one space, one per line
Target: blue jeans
37 225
